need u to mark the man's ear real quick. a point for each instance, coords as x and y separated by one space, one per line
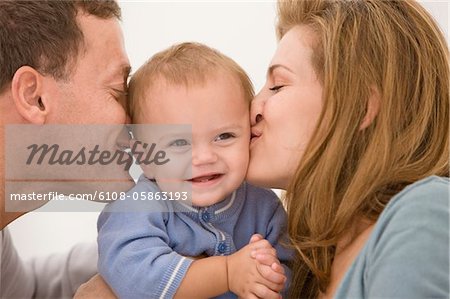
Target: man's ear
373 107
26 89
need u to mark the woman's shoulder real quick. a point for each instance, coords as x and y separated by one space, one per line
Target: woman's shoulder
406 255
421 197
420 211
428 185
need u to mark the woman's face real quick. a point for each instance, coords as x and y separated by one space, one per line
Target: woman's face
285 112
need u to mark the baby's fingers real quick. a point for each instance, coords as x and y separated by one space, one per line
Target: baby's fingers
260 244
261 291
265 251
277 267
250 296
269 260
276 279
255 238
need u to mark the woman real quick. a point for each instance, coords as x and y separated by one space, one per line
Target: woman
353 122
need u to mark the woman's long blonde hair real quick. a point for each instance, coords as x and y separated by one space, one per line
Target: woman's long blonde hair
390 51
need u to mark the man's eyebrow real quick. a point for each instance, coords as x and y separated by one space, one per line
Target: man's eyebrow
121 72
273 67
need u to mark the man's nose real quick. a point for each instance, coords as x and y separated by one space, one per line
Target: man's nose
256 110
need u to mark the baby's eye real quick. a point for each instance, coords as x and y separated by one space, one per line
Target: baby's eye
224 136
179 142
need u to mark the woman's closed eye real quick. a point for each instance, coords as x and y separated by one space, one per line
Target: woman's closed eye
276 88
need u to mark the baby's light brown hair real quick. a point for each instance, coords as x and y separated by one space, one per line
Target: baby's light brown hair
188 64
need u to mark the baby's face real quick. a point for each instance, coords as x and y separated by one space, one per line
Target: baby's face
211 156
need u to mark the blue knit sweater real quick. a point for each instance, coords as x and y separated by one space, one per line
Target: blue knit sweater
143 254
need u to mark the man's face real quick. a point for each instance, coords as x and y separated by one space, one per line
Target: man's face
95 92
89 107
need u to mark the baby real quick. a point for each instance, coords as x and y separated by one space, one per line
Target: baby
147 254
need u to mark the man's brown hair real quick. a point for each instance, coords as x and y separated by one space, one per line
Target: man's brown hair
44 34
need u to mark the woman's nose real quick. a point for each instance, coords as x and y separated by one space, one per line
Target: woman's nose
256 110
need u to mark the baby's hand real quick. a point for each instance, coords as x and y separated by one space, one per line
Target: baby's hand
244 278
270 268
268 264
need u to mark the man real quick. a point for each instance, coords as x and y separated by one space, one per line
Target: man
61 62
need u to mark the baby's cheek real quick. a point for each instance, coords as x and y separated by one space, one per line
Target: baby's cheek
241 159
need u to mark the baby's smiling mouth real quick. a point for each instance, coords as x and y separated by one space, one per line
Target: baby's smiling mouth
205 178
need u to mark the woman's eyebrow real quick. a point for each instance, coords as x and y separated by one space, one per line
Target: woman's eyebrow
273 67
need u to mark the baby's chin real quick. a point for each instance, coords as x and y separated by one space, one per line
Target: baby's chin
202 201
204 197
199 196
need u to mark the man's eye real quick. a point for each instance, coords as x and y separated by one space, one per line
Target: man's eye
179 143
119 95
224 136
276 88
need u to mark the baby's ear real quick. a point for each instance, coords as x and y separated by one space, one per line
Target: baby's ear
27 93
373 107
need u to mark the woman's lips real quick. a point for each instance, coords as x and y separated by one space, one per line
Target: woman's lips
254 138
254 135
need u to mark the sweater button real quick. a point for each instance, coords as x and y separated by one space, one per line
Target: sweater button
222 248
205 216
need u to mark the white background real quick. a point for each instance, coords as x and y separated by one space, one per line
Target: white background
242 30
